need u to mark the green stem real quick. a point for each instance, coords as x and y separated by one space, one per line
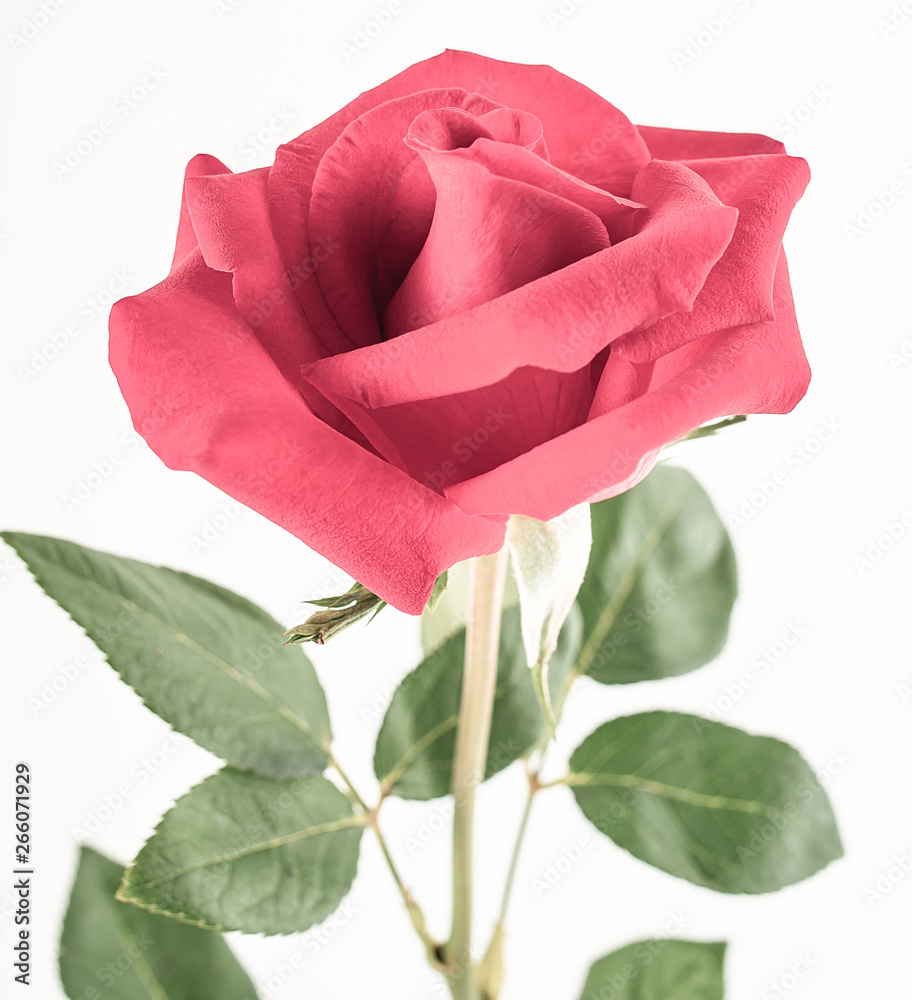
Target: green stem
517 847
414 910
476 706
431 947
337 767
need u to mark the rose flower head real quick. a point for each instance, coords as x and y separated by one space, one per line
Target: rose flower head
478 290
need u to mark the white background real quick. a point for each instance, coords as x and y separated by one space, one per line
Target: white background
843 694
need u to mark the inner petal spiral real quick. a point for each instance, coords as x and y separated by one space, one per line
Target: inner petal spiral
491 232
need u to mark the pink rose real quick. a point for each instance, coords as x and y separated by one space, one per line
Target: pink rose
475 291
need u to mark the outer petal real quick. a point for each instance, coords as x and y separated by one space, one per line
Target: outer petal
231 223
226 215
207 397
686 144
559 322
739 288
445 440
186 243
752 369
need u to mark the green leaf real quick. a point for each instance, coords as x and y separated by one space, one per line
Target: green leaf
704 801
440 586
660 969
661 582
109 946
209 662
241 852
415 746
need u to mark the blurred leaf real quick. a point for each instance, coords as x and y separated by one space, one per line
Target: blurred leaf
108 945
661 969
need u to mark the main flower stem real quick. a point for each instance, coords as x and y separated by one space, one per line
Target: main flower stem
477 704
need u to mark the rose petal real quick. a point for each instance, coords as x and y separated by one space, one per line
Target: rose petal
372 204
490 234
229 217
559 322
618 214
538 89
759 368
596 143
231 223
621 382
739 288
443 441
687 144
448 129
208 398
547 94
187 242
